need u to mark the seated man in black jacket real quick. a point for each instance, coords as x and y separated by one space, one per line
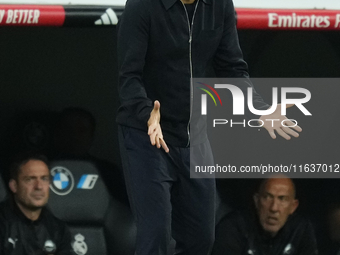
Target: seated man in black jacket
26 226
275 230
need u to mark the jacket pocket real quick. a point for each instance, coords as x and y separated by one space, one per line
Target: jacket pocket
209 41
213 33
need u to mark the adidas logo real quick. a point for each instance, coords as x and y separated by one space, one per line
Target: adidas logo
108 18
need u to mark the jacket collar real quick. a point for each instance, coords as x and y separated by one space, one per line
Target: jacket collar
169 3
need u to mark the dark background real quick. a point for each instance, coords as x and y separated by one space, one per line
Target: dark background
44 70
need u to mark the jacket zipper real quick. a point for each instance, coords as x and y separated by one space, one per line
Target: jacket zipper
190 60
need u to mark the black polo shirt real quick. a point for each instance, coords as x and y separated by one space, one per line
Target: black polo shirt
22 236
241 234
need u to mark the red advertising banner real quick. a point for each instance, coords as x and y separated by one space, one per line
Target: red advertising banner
279 19
267 19
31 15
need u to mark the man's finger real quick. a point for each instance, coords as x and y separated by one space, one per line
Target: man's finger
152 138
290 124
290 131
297 128
272 133
164 146
156 105
158 144
282 133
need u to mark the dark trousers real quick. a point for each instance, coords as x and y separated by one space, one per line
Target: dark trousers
167 205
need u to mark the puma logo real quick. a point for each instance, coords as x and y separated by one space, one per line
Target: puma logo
10 240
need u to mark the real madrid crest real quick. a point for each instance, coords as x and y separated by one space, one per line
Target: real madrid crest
79 246
62 180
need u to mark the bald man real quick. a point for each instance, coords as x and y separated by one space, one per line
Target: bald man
273 230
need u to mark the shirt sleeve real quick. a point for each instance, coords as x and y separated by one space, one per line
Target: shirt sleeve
228 60
307 243
133 35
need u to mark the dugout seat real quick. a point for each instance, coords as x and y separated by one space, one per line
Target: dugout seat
99 224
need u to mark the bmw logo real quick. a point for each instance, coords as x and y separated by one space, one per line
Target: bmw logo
62 180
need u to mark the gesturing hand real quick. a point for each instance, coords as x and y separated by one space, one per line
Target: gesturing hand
276 125
154 128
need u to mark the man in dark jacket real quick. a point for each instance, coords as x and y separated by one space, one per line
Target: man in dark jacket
162 45
275 230
26 226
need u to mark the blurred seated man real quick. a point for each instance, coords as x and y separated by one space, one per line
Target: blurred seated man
274 230
27 227
73 138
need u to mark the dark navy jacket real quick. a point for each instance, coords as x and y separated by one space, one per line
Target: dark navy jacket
159 51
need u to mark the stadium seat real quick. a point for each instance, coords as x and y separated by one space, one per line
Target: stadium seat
99 224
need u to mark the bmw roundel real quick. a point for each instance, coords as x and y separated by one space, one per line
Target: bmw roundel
62 180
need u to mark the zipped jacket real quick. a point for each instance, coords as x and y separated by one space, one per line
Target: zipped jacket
159 50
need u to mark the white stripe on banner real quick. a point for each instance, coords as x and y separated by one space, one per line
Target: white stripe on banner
113 16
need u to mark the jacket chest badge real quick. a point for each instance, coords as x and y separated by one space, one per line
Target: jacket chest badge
288 249
12 241
49 247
